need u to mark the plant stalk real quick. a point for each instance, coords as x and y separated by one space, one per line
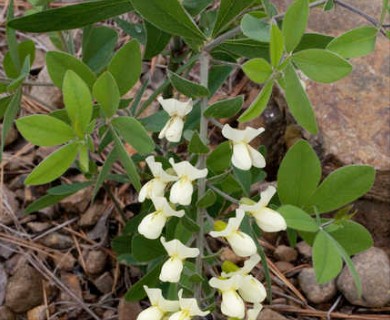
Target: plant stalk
203 133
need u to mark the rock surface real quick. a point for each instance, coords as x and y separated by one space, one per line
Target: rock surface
3 283
315 292
24 290
57 240
95 261
9 207
6 313
304 249
285 253
373 267
268 314
128 310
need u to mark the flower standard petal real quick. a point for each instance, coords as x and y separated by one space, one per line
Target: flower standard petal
156 299
186 169
251 133
174 129
158 171
232 134
152 225
162 205
249 264
266 195
188 308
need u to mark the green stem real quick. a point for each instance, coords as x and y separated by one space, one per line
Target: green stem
203 133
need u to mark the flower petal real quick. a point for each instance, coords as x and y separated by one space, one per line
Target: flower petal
178 249
242 244
175 107
232 134
171 270
151 313
254 313
186 169
191 306
232 226
223 285
266 196
249 264
270 220
174 129
232 305
152 225
252 290
156 299
181 192
258 160
241 157
161 204
158 171
251 133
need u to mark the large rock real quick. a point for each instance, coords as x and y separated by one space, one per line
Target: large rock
373 267
24 290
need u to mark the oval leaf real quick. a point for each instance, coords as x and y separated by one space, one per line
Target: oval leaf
298 102
322 65
276 45
355 43
59 62
298 219
342 187
126 65
134 133
299 174
106 92
255 28
78 102
327 261
44 131
186 87
294 23
260 103
71 17
53 166
258 70
224 108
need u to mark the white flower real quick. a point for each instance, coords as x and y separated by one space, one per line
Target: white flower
159 306
152 225
177 110
232 305
188 308
178 252
267 219
156 186
182 189
250 289
244 156
242 244
254 313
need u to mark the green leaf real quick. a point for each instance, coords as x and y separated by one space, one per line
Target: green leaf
294 23
136 291
299 174
58 63
24 72
98 46
244 178
106 92
298 219
298 102
207 200
342 187
126 65
353 237
78 102
44 202
228 12
133 132
53 166
327 262
71 17
194 7
84 158
156 41
155 122
146 250
25 49
259 104
68 189
186 87
258 70
226 108
127 162
4 103
276 45
196 145
9 117
108 163
322 65
313 41
43 130
245 47
354 43
170 17
219 160
134 30
255 28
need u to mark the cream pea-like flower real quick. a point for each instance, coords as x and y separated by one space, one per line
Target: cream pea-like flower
182 189
250 289
244 156
152 225
232 305
178 252
241 243
267 219
159 305
177 110
156 186
188 308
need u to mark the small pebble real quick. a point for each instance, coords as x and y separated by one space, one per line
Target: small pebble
304 249
316 293
285 253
